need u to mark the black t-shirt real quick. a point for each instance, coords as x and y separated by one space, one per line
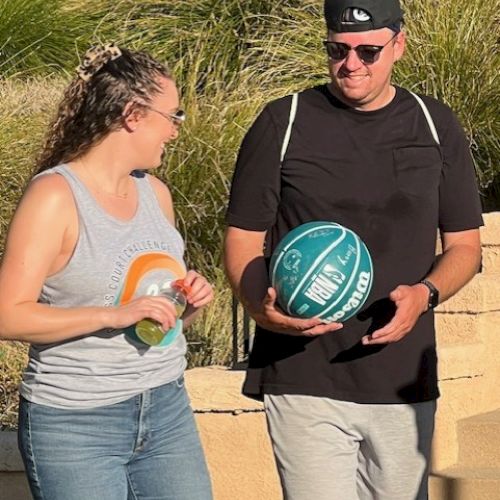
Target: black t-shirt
381 174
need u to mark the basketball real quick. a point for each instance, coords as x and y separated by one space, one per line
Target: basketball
322 270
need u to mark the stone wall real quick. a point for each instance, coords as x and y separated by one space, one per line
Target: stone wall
468 337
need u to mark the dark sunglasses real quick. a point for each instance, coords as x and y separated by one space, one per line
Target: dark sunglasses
369 54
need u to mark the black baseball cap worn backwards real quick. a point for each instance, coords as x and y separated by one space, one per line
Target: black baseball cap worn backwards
362 15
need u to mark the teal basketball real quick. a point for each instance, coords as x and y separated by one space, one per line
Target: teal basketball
323 270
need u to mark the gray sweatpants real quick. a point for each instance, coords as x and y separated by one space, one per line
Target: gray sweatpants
336 450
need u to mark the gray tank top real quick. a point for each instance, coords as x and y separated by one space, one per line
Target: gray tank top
113 262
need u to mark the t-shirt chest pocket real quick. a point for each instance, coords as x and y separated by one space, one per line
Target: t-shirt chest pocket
417 170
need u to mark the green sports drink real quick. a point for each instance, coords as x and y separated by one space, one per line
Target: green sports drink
150 331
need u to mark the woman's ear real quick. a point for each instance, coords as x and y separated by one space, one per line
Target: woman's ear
132 115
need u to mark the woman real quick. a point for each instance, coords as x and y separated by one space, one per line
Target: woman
93 241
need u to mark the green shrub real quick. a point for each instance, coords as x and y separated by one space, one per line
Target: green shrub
35 37
13 359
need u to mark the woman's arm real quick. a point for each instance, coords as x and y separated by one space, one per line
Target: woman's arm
40 242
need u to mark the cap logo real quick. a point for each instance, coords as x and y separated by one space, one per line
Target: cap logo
360 15
353 15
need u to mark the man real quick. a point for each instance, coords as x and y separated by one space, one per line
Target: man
350 408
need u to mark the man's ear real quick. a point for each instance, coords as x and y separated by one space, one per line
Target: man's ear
132 115
399 46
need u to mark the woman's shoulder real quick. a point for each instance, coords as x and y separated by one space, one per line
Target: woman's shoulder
51 187
163 195
47 207
48 197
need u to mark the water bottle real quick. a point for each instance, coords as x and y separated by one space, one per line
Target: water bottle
150 331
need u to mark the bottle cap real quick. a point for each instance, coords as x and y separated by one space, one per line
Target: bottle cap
182 286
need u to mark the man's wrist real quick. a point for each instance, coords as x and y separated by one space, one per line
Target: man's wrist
433 296
423 296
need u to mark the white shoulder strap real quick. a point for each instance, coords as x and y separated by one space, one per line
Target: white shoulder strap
428 117
291 119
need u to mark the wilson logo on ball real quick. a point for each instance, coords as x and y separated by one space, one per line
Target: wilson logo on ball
321 269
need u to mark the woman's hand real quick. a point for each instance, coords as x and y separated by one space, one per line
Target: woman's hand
157 308
201 294
201 290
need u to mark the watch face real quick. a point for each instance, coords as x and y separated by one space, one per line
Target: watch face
433 299
433 294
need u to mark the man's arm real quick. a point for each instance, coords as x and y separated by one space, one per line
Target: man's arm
247 274
456 266
459 263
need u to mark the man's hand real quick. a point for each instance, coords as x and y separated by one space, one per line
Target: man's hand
247 273
272 318
411 302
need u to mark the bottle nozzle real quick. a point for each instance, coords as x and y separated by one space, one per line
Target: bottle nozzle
182 286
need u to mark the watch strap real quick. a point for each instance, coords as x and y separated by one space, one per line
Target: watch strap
433 294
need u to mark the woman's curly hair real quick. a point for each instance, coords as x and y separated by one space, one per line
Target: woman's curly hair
93 103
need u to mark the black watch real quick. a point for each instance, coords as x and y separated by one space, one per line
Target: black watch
433 294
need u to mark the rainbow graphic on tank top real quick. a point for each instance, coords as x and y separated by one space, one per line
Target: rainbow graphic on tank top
148 274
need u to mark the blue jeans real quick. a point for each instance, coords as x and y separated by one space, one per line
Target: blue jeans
144 448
